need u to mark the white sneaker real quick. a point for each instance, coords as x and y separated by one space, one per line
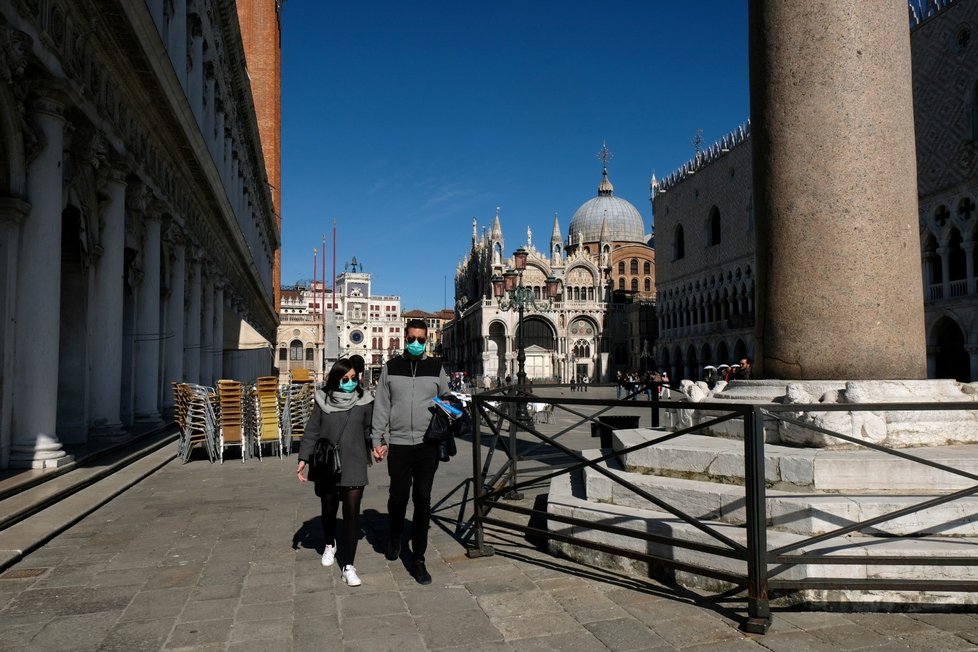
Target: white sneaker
329 555
350 576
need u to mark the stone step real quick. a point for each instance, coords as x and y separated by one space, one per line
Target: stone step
566 498
718 459
800 512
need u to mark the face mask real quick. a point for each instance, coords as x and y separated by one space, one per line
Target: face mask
348 385
415 348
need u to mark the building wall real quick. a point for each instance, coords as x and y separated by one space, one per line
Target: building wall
706 297
706 287
135 225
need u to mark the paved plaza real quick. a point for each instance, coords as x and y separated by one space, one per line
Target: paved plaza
202 556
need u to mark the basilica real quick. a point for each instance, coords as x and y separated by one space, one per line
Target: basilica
604 274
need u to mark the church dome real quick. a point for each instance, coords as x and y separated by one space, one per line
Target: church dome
622 221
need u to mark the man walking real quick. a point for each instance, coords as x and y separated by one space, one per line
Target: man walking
407 384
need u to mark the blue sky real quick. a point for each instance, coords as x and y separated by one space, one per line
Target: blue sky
403 120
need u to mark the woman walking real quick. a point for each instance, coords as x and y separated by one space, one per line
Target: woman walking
341 415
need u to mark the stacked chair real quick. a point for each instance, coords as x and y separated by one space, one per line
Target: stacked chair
195 415
232 432
297 399
266 407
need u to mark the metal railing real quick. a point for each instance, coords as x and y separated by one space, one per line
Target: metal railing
765 566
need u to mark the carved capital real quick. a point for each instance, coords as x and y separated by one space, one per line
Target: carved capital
13 210
138 197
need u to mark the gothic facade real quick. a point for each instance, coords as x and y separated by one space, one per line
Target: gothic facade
606 258
137 228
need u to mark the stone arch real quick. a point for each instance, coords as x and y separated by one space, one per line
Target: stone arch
678 243
740 350
691 363
713 227
947 340
723 354
933 270
706 354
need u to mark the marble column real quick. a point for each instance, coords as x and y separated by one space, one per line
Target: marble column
147 341
969 262
173 371
106 370
945 254
191 340
12 212
206 352
195 78
176 45
218 333
36 356
835 192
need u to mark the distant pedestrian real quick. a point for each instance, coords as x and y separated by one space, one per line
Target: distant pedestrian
619 383
584 381
573 382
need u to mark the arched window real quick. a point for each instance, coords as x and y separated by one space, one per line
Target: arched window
582 349
310 354
648 268
295 350
621 267
633 266
713 227
634 285
678 243
283 354
648 284
621 283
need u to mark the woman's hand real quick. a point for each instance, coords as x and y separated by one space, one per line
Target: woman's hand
380 452
302 466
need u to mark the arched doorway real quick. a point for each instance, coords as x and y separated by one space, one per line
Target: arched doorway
582 345
951 359
539 344
496 351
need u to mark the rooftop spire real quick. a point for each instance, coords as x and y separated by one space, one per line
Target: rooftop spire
555 235
605 189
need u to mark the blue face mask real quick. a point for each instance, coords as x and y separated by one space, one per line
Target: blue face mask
348 385
415 348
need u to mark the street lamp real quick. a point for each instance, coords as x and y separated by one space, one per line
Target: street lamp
511 294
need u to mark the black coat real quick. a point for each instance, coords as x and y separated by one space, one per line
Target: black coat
350 431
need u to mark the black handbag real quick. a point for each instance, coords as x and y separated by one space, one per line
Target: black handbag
325 464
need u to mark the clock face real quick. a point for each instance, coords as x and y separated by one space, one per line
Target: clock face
356 337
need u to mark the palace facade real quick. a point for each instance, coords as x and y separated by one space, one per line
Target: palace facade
705 217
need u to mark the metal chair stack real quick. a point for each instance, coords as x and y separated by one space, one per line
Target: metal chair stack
232 431
197 421
267 413
297 399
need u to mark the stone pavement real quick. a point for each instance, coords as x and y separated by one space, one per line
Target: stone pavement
209 557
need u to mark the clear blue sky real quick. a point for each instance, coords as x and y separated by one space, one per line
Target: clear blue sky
403 120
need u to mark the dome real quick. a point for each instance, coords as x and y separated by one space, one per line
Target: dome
623 221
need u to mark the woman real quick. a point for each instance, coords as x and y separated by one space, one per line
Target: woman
341 415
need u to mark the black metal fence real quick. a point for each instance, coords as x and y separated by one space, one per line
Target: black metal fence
494 411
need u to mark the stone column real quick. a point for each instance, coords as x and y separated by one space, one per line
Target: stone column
177 40
218 332
839 285
195 79
206 352
191 355
173 371
106 370
35 442
945 253
12 213
973 358
147 341
969 262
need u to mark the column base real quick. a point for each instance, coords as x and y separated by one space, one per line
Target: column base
42 451
144 422
108 433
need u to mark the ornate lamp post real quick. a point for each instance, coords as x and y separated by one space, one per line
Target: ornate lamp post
511 294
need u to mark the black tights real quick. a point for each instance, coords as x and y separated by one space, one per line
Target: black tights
351 519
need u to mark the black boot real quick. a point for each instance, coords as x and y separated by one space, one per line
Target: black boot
393 548
420 572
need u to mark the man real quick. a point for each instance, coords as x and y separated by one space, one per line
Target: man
745 368
406 387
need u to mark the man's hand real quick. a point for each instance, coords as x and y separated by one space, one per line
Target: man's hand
380 452
302 465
